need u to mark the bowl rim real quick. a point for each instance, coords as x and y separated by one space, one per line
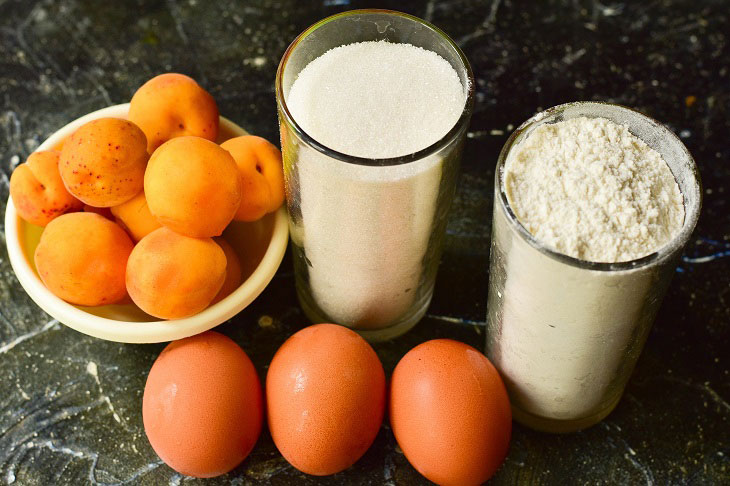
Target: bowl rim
147 331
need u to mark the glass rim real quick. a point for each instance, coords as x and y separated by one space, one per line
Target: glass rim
665 251
390 161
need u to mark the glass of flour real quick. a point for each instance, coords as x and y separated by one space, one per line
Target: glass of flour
593 205
373 108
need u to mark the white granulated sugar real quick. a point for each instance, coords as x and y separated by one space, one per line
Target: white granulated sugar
365 229
377 99
590 189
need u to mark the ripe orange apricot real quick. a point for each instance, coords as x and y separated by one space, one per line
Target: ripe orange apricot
262 176
37 189
59 146
192 186
82 257
233 271
173 105
103 162
100 211
135 217
171 276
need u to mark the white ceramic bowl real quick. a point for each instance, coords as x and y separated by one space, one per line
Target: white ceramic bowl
260 246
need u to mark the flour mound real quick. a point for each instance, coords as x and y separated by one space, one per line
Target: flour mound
590 189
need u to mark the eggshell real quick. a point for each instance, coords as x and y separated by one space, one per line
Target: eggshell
203 407
325 394
450 413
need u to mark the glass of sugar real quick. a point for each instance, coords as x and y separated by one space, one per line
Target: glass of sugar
588 226
373 109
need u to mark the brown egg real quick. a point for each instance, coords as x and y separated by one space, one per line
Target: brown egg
203 406
325 392
450 413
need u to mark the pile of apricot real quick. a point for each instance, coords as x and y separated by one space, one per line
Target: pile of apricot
132 207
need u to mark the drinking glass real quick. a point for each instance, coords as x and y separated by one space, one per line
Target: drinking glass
565 333
367 234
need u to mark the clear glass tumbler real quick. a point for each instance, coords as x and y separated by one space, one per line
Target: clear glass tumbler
369 260
565 333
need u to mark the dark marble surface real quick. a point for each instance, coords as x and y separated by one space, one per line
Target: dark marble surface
70 405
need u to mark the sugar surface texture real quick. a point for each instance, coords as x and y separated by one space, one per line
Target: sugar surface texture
590 189
377 99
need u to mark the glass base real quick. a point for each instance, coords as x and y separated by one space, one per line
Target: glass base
555 426
372 335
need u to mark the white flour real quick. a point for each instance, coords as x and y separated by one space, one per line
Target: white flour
565 337
365 229
588 188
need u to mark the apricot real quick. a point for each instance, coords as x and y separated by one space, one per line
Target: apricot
192 186
172 105
103 162
100 211
171 276
134 215
37 189
233 271
262 176
82 257
59 145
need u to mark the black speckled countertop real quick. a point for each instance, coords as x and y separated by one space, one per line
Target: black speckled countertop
70 405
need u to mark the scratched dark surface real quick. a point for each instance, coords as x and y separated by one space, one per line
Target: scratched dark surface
70 405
